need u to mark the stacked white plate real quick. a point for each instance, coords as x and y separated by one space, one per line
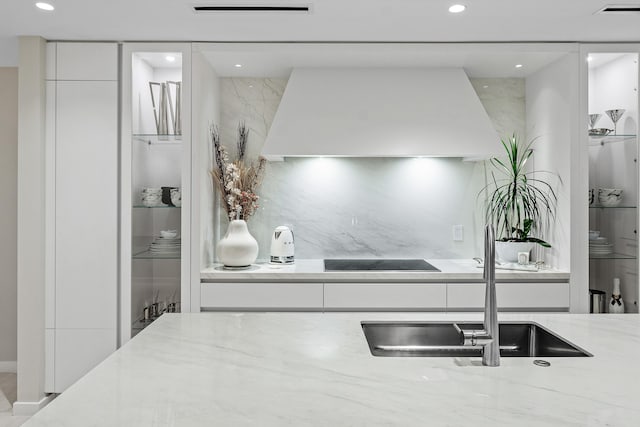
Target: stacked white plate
165 246
600 246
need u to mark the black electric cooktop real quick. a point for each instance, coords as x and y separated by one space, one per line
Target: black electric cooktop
377 265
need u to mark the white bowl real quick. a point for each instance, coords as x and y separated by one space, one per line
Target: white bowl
169 234
609 196
593 234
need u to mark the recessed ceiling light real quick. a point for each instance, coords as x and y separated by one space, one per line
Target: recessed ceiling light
170 58
457 8
44 6
518 65
238 65
485 86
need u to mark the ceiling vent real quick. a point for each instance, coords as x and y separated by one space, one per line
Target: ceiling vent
246 8
619 9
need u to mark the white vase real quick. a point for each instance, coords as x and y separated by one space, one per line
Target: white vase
237 248
508 251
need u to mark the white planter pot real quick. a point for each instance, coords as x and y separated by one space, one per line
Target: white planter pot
237 248
508 251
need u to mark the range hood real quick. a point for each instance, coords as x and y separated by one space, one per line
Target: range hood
381 112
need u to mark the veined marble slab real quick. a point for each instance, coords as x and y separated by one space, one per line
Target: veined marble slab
313 369
313 270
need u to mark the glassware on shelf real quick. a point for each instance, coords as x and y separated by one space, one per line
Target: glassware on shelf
593 119
615 115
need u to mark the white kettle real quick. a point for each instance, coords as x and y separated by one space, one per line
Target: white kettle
282 246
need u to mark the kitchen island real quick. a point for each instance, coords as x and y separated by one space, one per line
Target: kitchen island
315 369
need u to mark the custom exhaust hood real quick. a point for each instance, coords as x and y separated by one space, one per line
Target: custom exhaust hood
381 112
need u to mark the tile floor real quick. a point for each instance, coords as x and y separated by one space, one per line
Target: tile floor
7 397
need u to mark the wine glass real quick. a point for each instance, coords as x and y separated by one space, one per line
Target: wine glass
615 115
593 119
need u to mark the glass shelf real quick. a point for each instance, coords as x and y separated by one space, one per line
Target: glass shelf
612 207
602 140
147 254
152 139
612 256
155 207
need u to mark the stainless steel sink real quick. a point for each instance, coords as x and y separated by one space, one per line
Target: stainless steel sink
436 339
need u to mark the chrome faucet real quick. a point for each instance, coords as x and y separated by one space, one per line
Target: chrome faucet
489 337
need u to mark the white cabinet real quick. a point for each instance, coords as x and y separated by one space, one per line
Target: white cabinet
510 296
81 209
155 268
385 296
86 216
268 296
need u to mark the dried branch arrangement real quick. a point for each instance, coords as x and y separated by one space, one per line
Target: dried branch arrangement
236 180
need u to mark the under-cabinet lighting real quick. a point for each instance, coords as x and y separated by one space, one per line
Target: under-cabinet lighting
170 58
457 8
45 6
589 58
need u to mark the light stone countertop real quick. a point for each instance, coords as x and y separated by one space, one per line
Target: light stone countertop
314 369
313 270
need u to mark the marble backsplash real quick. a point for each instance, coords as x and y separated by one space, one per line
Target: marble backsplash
366 207
371 207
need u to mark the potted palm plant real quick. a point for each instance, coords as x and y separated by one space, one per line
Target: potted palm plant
519 203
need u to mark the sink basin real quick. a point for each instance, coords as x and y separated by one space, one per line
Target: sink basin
440 339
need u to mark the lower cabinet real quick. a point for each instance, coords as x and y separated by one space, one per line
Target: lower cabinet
261 296
510 296
373 296
385 296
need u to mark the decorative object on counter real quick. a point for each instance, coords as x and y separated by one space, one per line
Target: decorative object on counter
593 119
615 115
282 246
597 301
236 180
616 305
237 183
176 197
609 197
151 197
238 248
523 258
518 202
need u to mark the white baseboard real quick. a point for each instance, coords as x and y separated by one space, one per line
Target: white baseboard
30 408
10 366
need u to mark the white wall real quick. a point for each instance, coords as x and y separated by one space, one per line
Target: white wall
31 220
552 102
8 217
206 112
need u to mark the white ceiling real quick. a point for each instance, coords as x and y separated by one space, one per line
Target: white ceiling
478 60
330 20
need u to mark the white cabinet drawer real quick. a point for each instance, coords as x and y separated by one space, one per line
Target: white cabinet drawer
381 296
284 296
537 296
